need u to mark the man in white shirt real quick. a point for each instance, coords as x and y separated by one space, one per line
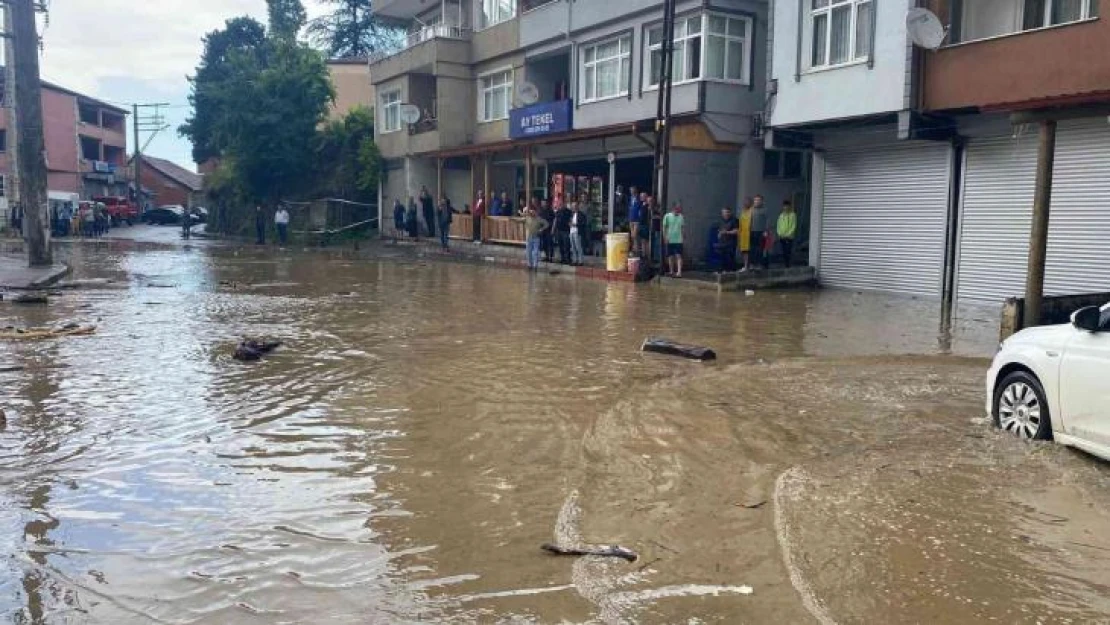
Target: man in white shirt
281 220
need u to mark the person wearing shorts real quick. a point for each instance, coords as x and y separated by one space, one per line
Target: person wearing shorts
674 225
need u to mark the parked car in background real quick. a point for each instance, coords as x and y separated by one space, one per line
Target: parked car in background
198 215
120 209
1050 382
166 215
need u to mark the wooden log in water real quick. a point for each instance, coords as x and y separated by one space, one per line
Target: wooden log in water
609 551
671 348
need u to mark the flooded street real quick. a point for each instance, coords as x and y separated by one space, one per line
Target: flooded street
427 426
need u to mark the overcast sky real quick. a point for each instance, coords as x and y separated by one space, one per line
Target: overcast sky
125 51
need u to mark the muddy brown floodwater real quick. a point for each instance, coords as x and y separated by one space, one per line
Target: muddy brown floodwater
428 426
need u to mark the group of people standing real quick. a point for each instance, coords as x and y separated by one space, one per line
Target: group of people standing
437 216
89 219
751 235
566 227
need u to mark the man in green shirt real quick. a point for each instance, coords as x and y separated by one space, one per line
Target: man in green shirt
674 225
786 230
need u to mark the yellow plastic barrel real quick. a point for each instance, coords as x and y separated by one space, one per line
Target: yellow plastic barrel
617 245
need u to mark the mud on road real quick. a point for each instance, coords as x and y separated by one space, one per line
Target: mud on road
426 427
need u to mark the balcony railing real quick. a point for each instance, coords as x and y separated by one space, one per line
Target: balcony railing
427 33
424 125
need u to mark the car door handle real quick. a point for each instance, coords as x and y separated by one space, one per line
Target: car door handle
1052 354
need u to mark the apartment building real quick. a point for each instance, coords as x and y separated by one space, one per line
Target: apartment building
86 141
351 79
924 160
536 98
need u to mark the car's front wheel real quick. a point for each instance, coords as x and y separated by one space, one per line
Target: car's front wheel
1020 407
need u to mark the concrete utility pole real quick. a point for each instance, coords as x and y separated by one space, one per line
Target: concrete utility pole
153 123
138 161
1038 236
11 189
31 143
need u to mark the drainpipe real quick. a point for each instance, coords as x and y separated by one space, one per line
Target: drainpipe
570 14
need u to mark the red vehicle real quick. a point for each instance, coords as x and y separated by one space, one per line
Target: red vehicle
120 209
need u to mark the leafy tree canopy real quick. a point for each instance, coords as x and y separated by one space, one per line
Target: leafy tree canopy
350 30
287 18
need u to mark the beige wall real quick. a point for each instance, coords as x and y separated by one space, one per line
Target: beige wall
352 87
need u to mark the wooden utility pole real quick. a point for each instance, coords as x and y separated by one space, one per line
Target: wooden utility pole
663 120
1038 235
31 144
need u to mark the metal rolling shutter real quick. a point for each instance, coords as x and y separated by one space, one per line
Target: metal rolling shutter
994 223
997 210
1079 223
883 218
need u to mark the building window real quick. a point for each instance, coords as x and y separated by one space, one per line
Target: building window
3 186
494 91
782 164
840 32
686 64
983 19
606 69
3 140
725 55
391 111
493 12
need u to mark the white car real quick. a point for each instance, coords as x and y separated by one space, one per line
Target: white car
1053 382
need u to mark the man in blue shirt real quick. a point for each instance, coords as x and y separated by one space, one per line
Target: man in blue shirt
495 205
635 205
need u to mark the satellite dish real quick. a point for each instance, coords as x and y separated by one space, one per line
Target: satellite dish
925 28
410 113
528 93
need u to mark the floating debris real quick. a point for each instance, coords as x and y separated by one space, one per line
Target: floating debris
251 350
72 329
671 348
609 551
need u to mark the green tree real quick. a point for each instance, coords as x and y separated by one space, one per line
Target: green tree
287 18
240 37
350 30
347 159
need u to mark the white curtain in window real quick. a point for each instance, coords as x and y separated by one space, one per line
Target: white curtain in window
863 30
840 35
820 40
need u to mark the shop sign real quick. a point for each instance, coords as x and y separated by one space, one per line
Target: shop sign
542 119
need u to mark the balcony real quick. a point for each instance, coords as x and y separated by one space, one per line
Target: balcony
422 49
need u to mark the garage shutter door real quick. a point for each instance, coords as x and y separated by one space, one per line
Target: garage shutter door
1079 224
883 218
994 225
997 209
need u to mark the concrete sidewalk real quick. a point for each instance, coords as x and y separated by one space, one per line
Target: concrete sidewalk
16 275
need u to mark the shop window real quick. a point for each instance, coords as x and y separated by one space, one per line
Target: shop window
781 164
710 47
3 186
839 32
391 111
982 19
494 96
606 69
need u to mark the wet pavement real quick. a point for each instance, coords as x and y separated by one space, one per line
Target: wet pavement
429 425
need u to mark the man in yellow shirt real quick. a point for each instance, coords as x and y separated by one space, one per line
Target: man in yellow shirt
787 229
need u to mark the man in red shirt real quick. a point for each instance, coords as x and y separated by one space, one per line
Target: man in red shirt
477 213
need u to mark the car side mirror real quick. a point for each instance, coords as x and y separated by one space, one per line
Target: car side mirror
1088 319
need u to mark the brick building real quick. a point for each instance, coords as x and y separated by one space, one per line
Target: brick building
170 183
